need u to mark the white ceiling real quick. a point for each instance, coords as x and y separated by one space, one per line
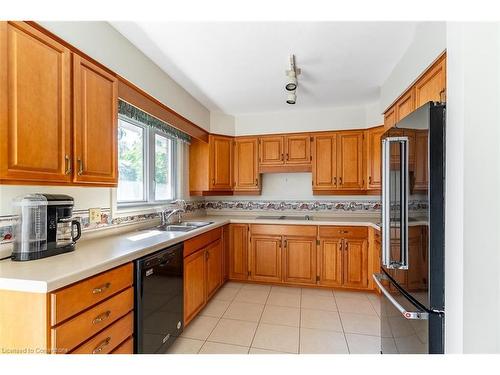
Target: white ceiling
239 67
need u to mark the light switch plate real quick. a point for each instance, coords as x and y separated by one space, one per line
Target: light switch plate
94 215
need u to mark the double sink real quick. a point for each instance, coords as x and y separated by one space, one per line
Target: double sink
184 226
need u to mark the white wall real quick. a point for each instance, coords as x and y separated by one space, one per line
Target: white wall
429 42
220 123
336 118
104 43
472 186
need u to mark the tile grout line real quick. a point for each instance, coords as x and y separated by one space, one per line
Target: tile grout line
300 319
260 318
219 319
342 324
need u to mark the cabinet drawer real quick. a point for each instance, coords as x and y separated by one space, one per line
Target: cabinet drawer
71 300
283 230
199 242
78 329
127 347
343 232
110 338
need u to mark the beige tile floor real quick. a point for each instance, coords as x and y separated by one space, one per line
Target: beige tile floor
262 319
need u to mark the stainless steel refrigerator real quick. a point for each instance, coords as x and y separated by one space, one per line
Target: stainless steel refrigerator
411 278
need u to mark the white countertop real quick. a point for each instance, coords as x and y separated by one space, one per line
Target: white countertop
97 255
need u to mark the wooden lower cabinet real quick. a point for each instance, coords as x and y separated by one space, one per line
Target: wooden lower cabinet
238 252
343 257
194 284
355 263
265 258
330 262
100 320
214 267
299 260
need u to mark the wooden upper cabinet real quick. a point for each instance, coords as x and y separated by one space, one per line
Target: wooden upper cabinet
374 157
298 149
299 260
390 117
355 262
35 107
211 166
324 169
265 258
95 123
221 162
432 85
238 251
246 159
405 105
285 153
350 160
271 151
214 267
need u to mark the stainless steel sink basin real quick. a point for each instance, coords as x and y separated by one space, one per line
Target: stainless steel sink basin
184 226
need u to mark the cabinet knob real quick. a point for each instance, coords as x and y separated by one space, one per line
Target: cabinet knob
340 180
256 182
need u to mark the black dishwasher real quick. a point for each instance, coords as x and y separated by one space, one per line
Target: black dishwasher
158 300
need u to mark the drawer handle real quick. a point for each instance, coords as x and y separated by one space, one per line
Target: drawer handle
101 288
99 348
101 317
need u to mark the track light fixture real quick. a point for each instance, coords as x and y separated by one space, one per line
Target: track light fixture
292 82
291 98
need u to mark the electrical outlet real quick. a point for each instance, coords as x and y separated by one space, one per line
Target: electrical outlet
94 215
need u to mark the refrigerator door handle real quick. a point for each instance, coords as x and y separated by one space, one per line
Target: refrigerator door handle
386 204
402 263
410 315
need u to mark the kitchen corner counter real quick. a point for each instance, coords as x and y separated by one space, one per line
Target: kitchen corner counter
97 255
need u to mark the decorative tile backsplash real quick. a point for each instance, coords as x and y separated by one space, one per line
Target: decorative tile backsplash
318 206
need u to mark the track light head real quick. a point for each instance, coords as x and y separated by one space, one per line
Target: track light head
291 85
291 98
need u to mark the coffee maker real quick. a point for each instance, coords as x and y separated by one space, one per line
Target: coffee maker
44 226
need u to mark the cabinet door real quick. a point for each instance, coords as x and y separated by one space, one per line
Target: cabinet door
238 252
324 162
350 160
194 284
221 162
300 260
390 117
246 164
95 103
432 85
355 263
375 157
330 262
225 252
35 92
298 149
214 267
405 105
271 151
266 258
421 173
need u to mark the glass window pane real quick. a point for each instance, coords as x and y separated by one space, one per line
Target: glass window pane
163 173
130 162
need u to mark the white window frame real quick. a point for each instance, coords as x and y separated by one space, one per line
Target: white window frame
149 167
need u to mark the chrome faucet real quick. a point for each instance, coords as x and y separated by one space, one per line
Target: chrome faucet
166 214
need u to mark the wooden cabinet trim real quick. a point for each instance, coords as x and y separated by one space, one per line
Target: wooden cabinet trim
201 241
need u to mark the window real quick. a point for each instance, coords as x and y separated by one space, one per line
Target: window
146 160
